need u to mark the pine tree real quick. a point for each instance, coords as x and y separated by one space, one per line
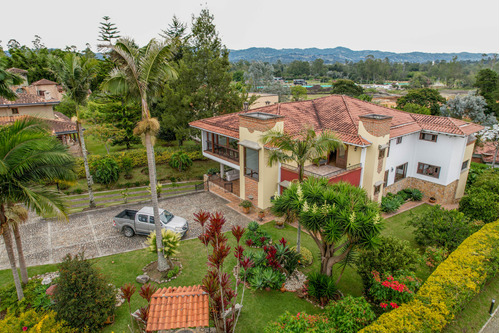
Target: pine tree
108 31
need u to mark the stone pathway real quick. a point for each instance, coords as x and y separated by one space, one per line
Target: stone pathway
491 325
48 241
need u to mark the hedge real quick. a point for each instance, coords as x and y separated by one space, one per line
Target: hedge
138 157
449 288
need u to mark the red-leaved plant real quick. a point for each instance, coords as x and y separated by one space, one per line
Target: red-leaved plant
128 290
217 283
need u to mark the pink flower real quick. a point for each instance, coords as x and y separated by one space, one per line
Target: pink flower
25 328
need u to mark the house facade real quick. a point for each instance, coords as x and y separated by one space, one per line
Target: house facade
385 150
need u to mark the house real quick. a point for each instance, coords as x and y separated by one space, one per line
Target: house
38 100
386 149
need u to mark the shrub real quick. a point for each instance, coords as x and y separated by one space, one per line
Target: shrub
321 287
83 296
389 292
212 171
350 314
105 171
441 227
170 240
414 194
391 255
475 170
306 256
126 166
256 236
32 321
404 195
448 289
246 204
173 272
433 256
180 161
391 203
34 297
480 204
302 322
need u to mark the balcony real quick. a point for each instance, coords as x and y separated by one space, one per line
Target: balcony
224 152
334 174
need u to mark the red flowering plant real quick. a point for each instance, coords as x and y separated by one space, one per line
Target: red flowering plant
216 282
390 291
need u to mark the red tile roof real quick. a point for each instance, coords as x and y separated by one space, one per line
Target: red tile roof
25 99
487 150
178 307
340 114
17 70
58 125
43 82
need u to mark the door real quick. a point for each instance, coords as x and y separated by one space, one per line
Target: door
142 224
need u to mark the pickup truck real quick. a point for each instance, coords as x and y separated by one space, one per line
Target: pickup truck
132 222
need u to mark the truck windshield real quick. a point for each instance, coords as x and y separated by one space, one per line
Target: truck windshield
165 217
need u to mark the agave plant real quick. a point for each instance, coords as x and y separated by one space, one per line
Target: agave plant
170 240
322 287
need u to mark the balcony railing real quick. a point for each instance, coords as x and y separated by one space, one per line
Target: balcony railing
229 153
322 171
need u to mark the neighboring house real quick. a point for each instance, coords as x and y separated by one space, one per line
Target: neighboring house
263 100
38 100
386 150
485 152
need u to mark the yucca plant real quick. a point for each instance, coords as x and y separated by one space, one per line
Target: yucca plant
180 161
170 240
322 287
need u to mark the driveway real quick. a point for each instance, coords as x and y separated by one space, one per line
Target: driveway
48 241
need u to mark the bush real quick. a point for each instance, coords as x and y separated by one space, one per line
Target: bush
392 255
306 256
246 204
256 236
350 314
441 227
32 321
434 256
475 170
321 287
180 161
212 171
414 194
480 204
449 288
105 171
83 296
170 240
127 166
34 297
302 322
391 203
173 272
389 292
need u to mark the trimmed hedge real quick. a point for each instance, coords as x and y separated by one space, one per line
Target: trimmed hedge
449 288
138 157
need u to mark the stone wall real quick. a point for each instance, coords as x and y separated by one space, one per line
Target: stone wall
252 189
443 194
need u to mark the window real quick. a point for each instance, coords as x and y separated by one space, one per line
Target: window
376 189
399 140
428 137
15 111
41 92
465 164
143 218
428 170
381 153
386 178
252 163
401 172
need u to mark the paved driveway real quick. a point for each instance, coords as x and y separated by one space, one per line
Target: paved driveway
48 241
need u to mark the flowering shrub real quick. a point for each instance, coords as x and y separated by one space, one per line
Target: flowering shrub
36 322
434 256
449 288
301 322
391 291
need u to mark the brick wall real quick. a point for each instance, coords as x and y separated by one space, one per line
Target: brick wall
376 127
253 124
341 161
443 194
252 188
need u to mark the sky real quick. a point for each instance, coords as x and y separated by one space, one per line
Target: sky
386 25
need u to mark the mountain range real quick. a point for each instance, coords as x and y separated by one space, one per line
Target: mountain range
342 54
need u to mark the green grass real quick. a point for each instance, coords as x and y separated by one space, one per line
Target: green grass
96 147
475 315
259 307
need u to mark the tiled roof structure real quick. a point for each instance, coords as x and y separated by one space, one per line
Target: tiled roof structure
58 126
487 150
341 114
17 70
43 82
178 307
24 100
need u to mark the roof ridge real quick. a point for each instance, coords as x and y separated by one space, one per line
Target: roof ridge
348 111
316 113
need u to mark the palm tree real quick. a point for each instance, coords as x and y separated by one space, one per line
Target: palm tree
301 148
8 79
29 158
141 73
75 74
16 215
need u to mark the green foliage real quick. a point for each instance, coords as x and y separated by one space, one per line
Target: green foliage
416 108
299 93
83 297
35 322
449 288
256 236
170 239
108 30
105 170
350 314
127 166
426 97
34 297
346 87
487 84
246 204
212 171
300 323
321 287
180 161
440 227
475 170
306 256
414 194
480 204
173 272
434 256
391 203
389 292
392 255
67 107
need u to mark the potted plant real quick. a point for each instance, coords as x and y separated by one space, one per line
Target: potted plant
246 205
261 214
432 200
279 224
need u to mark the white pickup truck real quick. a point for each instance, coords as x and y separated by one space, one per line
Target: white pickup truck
132 222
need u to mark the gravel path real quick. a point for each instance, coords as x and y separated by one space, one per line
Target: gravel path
48 241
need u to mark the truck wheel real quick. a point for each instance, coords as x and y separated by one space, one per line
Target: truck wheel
128 231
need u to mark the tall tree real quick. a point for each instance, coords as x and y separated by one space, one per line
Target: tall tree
16 215
141 73
7 80
346 87
108 31
339 217
470 107
487 84
430 98
29 157
75 73
300 149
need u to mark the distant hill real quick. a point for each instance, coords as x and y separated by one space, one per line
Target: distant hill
342 54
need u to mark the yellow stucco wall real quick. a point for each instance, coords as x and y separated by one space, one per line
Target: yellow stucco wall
41 111
54 93
462 181
268 175
353 155
370 174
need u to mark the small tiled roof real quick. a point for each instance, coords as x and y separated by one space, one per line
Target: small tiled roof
25 99
487 151
178 307
17 70
340 114
59 126
43 82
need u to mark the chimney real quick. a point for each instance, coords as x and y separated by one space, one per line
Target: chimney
259 121
376 124
245 106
